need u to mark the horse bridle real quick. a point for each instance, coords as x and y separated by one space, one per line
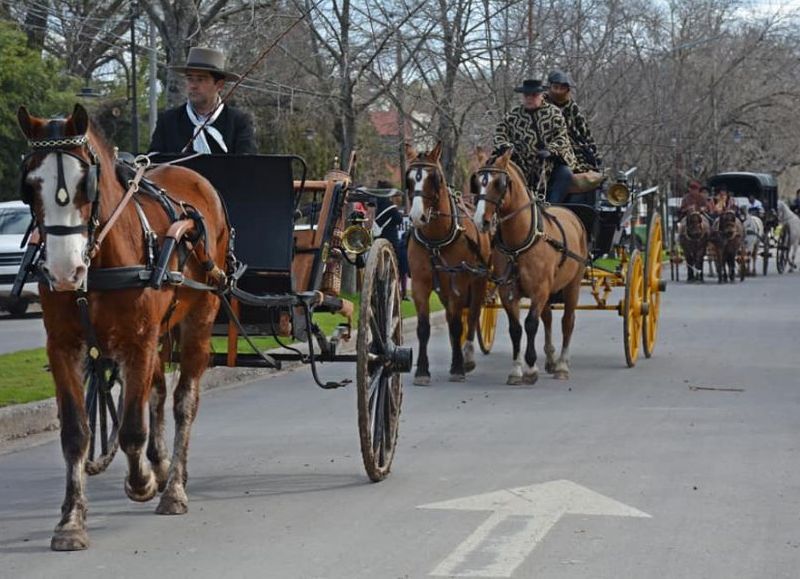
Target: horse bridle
419 166
61 147
482 177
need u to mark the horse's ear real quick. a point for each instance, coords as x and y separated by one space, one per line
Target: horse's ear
24 119
503 159
411 152
436 154
80 119
481 155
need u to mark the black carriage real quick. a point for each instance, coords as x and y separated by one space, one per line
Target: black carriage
764 187
289 243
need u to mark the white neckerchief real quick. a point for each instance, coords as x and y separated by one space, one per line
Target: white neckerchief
200 143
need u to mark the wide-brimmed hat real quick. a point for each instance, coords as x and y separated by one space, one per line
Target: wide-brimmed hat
559 77
531 86
209 59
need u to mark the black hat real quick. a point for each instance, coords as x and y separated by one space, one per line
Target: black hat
208 59
531 86
559 77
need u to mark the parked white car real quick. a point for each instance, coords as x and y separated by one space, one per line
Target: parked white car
15 217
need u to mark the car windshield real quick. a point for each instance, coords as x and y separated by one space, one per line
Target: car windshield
14 221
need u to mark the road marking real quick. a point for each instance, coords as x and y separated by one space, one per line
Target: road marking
521 517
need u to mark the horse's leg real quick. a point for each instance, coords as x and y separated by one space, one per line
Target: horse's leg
549 348
139 368
531 373
157 447
571 295
195 332
720 267
476 298
455 307
70 533
515 331
422 294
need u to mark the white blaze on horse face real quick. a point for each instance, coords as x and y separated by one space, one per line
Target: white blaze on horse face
64 258
417 214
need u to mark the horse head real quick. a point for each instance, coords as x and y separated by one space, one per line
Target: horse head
59 181
425 185
728 224
696 224
492 185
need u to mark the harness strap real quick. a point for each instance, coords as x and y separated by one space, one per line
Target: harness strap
92 345
133 187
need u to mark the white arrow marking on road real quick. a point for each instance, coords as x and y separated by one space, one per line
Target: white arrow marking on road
520 518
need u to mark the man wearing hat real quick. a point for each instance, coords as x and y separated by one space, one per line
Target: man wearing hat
578 129
224 129
538 135
695 199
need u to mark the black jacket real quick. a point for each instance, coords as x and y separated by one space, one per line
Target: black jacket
174 129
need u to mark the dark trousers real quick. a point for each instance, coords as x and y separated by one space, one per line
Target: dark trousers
559 185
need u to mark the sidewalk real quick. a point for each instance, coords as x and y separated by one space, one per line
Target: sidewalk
24 420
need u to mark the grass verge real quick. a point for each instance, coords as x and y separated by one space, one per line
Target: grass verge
25 377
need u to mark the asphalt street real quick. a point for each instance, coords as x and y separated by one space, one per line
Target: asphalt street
22 332
685 466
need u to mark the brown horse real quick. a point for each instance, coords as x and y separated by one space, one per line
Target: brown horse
693 234
446 253
537 252
69 179
727 234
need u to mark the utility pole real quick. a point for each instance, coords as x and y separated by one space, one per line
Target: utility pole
153 114
134 110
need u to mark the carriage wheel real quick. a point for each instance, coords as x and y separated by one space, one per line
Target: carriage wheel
782 252
487 322
652 283
380 359
632 307
103 400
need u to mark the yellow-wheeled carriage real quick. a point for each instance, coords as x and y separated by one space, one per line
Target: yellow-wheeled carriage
620 259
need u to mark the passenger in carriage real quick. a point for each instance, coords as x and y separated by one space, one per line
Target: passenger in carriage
795 206
228 130
580 136
537 133
389 224
722 202
754 206
694 199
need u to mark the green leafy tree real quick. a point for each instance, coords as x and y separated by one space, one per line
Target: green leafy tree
25 79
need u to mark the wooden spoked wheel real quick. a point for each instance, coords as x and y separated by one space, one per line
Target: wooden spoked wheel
103 400
652 284
632 305
487 321
782 251
378 381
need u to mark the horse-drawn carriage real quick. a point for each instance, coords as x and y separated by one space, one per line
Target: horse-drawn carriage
136 252
619 257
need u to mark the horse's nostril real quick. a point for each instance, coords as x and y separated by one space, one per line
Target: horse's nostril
80 271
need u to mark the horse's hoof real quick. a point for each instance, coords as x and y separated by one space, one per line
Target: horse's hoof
514 380
173 503
457 378
144 494
469 366
550 367
561 375
422 381
530 378
72 540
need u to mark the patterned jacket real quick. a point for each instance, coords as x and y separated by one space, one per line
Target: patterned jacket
580 136
530 131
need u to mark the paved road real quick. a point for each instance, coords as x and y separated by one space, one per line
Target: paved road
277 488
22 332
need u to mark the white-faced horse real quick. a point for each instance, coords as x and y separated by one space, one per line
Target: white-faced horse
753 236
791 223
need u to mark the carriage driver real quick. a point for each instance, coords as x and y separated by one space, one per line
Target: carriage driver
227 131
541 147
694 199
578 129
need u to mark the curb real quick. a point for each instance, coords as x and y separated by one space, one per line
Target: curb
23 420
